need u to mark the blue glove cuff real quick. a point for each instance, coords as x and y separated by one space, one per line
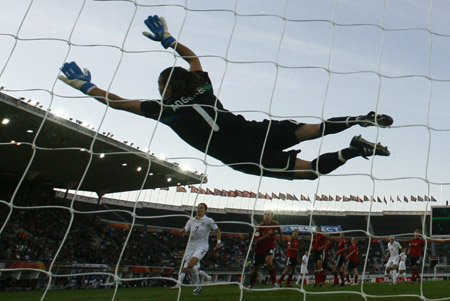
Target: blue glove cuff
168 41
87 87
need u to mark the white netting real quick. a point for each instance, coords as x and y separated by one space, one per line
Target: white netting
306 61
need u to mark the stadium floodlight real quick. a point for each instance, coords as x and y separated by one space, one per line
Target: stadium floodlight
30 131
139 168
5 121
124 164
60 114
161 157
169 179
102 155
186 168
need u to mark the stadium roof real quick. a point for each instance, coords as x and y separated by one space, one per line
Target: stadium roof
58 150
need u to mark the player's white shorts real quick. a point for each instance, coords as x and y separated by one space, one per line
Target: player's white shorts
392 261
303 269
402 265
198 253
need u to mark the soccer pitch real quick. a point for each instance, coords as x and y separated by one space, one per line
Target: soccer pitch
431 290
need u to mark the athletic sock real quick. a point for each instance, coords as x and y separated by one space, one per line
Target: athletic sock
342 277
394 276
181 279
281 279
195 276
337 124
323 276
273 275
252 278
348 278
326 163
288 280
336 280
356 279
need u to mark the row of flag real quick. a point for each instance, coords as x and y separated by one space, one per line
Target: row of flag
293 197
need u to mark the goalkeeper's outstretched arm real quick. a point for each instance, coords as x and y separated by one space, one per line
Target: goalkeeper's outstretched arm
81 80
116 102
159 32
189 56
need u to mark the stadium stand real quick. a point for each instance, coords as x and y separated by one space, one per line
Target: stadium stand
96 239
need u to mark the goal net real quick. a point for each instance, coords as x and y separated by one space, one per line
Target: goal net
95 197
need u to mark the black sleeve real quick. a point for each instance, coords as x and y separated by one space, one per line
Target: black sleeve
151 108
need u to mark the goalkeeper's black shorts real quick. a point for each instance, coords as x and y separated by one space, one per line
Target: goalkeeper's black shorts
275 161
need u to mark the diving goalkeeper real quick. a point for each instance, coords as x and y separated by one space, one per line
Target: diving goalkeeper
188 106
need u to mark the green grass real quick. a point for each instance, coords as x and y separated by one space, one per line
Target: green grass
432 290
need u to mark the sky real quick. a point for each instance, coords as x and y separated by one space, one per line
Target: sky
301 60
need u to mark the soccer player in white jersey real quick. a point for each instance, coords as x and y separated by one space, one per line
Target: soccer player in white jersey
199 228
393 254
303 268
402 264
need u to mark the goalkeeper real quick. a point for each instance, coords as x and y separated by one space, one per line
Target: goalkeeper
188 106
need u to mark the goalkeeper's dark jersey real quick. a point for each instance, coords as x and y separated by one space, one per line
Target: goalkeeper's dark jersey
200 117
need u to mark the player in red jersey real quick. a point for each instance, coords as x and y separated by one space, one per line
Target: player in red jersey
352 258
339 260
291 261
416 246
265 247
319 244
326 258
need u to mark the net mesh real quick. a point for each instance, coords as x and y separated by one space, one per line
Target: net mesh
278 58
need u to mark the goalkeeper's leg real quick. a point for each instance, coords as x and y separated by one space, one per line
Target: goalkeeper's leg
328 162
339 124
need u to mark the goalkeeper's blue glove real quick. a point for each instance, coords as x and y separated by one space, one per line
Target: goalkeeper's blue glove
158 28
77 78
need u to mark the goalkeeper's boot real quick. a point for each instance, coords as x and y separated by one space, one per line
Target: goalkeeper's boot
366 148
175 287
374 119
197 290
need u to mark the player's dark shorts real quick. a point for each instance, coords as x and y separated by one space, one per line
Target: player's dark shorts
325 264
245 155
339 261
352 265
415 261
291 261
317 255
261 258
